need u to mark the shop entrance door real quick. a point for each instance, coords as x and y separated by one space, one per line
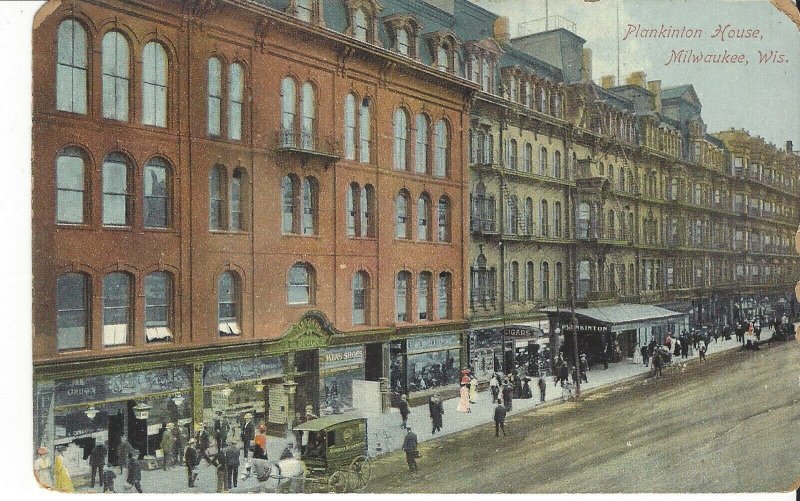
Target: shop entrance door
373 363
116 428
307 379
137 431
508 357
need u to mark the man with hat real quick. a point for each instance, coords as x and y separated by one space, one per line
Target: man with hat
41 467
167 443
192 459
97 460
410 448
248 432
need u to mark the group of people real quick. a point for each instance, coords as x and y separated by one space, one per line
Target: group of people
562 370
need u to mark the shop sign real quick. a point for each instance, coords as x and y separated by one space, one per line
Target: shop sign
219 400
230 371
343 357
120 386
522 331
433 343
587 329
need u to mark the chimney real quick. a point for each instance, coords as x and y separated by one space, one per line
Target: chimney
637 78
654 86
586 69
607 81
789 146
502 33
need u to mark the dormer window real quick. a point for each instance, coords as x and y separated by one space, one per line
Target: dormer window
403 30
304 10
402 42
360 26
441 57
309 11
443 47
361 17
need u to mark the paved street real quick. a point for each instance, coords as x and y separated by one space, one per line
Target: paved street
725 425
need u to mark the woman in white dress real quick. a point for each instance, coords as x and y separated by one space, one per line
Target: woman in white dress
41 467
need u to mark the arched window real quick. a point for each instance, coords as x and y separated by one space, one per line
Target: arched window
513 281
353 197
216 197
573 171
367 211
441 58
602 168
621 179
305 10
158 311
300 286
424 217
557 164
444 219
308 134
543 161
214 96
528 216
513 215
157 189
350 127
421 153
228 309
529 283
441 155
310 193
154 85
360 287
611 176
235 101
583 220
116 192
71 185
290 194
288 111
544 218
630 182
116 66
528 163
545 279
238 182
542 100
611 230
116 308
402 42
445 303
365 133
402 215
584 279
557 219
512 155
558 281
402 299
400 139
71 69
361 25
72 311
487 76
424 296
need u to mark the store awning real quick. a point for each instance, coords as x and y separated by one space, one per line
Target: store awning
623 315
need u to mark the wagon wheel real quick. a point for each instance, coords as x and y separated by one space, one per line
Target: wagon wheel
362 470
338 482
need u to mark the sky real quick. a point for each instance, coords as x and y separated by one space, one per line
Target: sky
761 98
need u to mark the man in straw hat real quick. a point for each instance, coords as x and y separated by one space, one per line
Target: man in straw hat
192 459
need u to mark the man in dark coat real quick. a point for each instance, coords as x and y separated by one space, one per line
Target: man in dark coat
436 409
404 410
220 462
192 459
508 393
178 441
123 451
221 432
563 373
499 420
645 355
108 479
542 388
232 460
134 474
97 460
248 432
203 443
410 448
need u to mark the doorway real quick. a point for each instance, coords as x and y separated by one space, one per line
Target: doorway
373 363
307 379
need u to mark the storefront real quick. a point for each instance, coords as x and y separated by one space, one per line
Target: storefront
531 354
424 363
486 352
339 368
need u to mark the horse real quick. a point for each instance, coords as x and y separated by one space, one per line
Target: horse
286 471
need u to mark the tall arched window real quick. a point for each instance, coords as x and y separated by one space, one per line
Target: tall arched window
216 198
441 58
400 139
235 101
557 219
421 153
611 176
513 281
116 308
402 215
72 311
116 66
424 217
486 86
424 296
584 279
528 216
365 131
158 310
154 85
513 215
360 25
237 200
444 219
402 299
350 127
360 288
288 111
290 191
558 281
512 155
528 163
308 133
545 279
402 42
116 192
621 179
611 229
583 220
310 191
557 164
300 286
305 10
442 153
543 161
71 185
367 210
529 281
544 218
214 96
157 203
444 289
228 309
353 197
71 68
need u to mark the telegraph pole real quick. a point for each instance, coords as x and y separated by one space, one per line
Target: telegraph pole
574 324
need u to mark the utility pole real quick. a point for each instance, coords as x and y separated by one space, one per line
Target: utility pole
546 15
618 81
574 324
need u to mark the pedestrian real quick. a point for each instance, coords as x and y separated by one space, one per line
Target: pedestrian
526 388
668 341
499 420
473 389
542 388
563 373
436 409
178 443
463 401
108 479
508 393
41 467
260 447
221 429
61 477
232 461
219 461
97 460
203 442
404 410
685 348
134 474
516 384
605 355
192 458
123 450
410 448
657 362
494 386
248 432
702 351
167 445
677 347
645 355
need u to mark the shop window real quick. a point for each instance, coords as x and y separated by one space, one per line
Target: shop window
402 299
116 308
424 217
441 156
72 311
116 194
424 296
217 190
116 65
71 69
444 220
71 187
154 85
360 287
421 153
228 309
300 288
158 307
445 305
157 188
400 127
214 96
403 215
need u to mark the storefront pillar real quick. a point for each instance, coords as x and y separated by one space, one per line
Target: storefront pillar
43 423
290 390
197 397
